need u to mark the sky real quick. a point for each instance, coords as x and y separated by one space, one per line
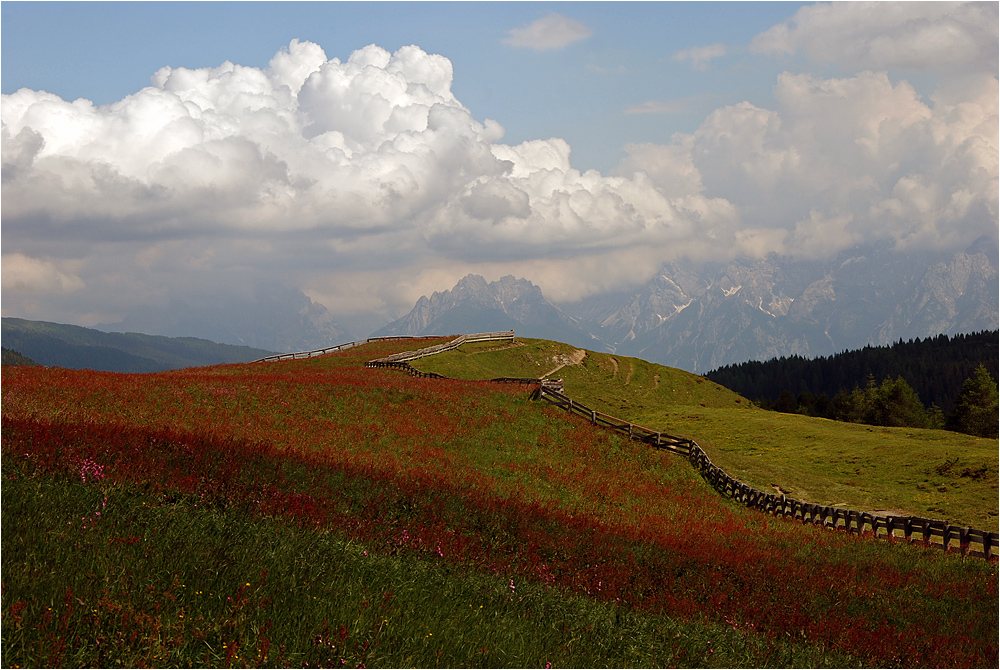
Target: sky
365 154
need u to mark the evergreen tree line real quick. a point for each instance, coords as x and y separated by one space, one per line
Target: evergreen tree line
950 374
895 403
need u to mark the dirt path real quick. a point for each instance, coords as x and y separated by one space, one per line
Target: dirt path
889 512
574 358
501 348
614 362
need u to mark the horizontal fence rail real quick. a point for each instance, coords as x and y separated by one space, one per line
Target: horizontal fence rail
660 440
339 347
910 529
403 356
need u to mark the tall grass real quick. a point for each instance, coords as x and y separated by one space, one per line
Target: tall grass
153 584
314 512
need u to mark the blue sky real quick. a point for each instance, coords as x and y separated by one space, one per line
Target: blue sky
158 155
105 51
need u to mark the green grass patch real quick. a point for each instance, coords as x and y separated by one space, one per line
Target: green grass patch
154 584
930 473
315 513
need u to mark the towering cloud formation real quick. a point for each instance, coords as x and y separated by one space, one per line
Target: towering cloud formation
843 161
367 182
311 167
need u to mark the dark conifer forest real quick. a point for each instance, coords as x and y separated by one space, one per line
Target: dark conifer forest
935 369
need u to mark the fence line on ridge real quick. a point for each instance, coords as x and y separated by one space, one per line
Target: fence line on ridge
405 356
931 532
482 337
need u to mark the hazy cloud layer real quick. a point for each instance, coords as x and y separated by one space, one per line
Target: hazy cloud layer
887 35
366 183
840 162
553 31
675 106
700 57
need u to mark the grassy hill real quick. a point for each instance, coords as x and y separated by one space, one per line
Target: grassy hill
930 473
316 513
57 344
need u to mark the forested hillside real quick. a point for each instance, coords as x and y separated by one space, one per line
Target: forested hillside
67 346
935 367
11 357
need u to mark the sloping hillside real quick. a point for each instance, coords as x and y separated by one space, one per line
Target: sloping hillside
75 347
315 512
11 357
930 473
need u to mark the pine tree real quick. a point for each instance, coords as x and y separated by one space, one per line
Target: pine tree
976 410
895 403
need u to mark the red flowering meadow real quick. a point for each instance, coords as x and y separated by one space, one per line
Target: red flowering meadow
478 477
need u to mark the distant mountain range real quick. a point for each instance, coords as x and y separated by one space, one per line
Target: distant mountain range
691 316
475 306
55 344
699 318
277 318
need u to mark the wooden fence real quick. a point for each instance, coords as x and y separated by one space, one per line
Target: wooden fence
330 350
911 529
658 439
404 356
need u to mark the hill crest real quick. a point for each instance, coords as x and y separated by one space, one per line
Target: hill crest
76 347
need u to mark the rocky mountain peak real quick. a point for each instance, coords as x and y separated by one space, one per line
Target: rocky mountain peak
475 305
699 318
469 286
755 309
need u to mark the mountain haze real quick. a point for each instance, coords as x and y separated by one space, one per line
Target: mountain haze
698 318
61 345
475 305
775 306
274 318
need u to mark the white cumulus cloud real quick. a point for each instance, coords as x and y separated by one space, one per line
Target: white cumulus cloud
308 167
364 181
842 161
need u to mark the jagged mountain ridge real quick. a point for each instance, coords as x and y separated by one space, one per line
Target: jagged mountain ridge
700 318
475 305
756 310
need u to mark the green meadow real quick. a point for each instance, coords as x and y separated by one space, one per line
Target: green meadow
935 474
317 513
